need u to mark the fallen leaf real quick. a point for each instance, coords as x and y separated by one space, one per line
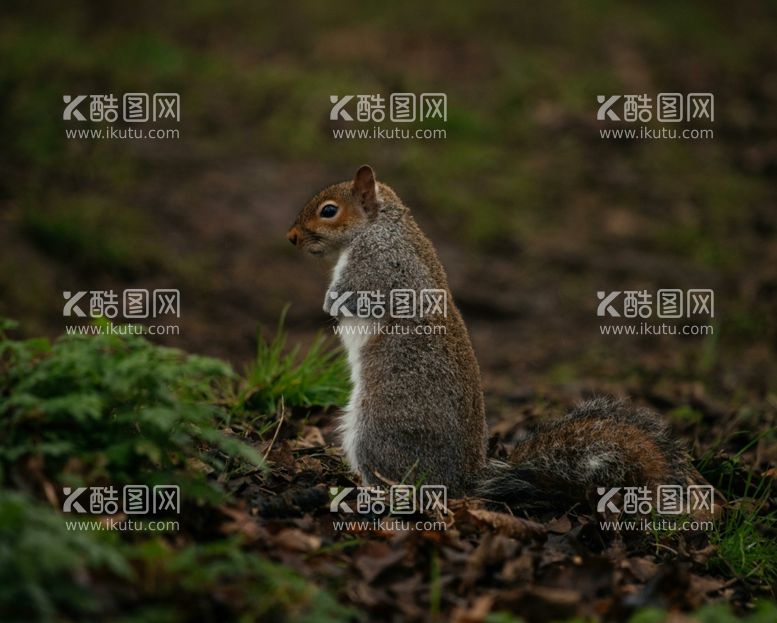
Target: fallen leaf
560 525
374 558
508 524
296 540
311 437
641 568
478 611
519 569
241 523
493 550
706 585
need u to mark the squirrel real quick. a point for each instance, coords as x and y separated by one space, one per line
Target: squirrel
416 412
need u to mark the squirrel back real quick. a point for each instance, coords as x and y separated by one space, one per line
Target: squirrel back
416 412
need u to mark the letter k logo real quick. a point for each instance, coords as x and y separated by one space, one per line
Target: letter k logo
338 110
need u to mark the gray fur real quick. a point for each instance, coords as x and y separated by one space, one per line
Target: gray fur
420 409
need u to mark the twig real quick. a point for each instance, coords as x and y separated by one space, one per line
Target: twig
674 551
277 430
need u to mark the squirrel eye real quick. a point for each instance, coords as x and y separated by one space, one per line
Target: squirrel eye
329 210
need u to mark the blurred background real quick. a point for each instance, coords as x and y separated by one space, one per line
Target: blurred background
531 210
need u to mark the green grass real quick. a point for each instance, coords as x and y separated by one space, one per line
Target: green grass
765 612
746 548
319 377
685 414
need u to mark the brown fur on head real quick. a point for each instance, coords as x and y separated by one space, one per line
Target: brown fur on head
331 219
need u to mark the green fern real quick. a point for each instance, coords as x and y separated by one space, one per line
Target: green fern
130 411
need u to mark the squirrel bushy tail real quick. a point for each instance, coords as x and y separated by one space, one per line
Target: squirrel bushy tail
603 442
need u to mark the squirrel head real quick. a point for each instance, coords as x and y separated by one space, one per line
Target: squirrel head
331 219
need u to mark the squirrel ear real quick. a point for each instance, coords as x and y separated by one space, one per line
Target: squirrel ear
364 184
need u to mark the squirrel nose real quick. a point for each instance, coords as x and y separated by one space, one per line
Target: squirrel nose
292 236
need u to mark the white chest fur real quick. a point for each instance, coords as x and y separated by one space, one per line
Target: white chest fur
342 262
354 334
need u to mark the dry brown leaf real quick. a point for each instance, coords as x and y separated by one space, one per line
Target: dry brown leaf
508 524
295 540
706 585
241 523
478 611
520 569
560 525
364 594
493 549
374 558
641 568
311 437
